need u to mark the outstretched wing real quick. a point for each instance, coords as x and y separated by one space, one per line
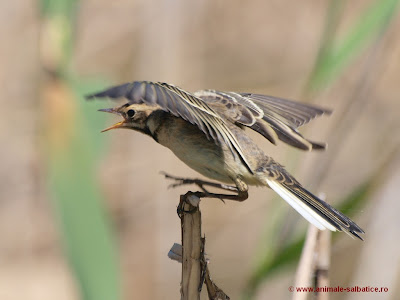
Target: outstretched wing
274 118
180 104
292 113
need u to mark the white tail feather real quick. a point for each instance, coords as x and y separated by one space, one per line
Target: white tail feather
307 212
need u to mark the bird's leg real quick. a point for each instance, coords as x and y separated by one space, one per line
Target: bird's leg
240 196
240 188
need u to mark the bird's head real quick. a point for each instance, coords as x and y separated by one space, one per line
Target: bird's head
135 116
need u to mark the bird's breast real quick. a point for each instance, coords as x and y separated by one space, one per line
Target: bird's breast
192 147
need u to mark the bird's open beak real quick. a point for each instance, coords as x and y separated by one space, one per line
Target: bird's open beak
117 125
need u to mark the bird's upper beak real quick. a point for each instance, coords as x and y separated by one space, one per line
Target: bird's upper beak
117 125
110 110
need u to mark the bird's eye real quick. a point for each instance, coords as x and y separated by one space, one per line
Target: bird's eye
130 113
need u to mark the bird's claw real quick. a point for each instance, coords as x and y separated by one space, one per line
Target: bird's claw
184 199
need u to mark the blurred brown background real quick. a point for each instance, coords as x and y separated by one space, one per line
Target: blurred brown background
268 47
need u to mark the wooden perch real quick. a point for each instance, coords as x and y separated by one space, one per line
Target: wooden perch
195 270
192 245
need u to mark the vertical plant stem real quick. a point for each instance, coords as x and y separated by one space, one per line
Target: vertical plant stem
314 263
195 270
192 250
323 263
306 264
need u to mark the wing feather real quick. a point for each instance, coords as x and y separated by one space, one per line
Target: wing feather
274 118
292 113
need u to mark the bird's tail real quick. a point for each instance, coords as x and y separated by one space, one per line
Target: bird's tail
316 211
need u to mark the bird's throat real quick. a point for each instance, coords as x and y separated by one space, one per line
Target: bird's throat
154 124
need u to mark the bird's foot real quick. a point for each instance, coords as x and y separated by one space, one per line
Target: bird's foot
191 198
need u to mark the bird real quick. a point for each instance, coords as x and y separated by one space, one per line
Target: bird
206 130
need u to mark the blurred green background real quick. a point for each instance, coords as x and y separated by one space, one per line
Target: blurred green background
86 215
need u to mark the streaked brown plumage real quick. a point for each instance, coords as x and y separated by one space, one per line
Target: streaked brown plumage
206 131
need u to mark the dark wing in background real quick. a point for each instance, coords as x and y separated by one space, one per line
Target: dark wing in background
238 110
285 116
180 104
272 117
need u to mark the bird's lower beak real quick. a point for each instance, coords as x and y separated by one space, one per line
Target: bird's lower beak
115 126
